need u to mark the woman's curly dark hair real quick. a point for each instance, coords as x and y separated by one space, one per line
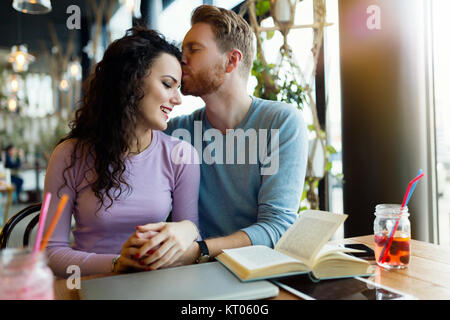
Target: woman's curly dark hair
104 124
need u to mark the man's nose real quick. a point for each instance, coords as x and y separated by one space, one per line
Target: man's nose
183 59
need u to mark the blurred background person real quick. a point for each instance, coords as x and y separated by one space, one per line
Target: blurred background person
13 161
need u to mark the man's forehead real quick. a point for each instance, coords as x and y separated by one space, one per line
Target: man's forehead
200 33
190 43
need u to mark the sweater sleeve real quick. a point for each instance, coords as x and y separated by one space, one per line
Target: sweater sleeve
283 176
59 253
185 161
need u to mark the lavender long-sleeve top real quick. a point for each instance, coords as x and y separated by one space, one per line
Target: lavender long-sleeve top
163 177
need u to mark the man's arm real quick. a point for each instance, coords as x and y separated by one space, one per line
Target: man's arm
235 240
215 246
282 177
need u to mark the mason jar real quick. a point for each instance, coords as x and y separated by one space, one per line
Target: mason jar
24 275
395 253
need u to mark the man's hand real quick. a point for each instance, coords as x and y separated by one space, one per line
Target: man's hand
170 243
215 246
188 257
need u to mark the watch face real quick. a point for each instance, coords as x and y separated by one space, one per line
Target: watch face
203 258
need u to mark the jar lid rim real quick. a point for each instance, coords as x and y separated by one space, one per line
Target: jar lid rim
390 205
391 209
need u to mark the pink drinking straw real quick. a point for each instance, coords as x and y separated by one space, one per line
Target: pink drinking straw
40 230
42 218
386 248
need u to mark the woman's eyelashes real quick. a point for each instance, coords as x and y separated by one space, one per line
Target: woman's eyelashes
171 86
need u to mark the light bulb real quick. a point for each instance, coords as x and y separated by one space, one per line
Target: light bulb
14 84
74 70
64 85
12 104
20 61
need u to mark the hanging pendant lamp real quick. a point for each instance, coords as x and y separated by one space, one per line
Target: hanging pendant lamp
32 6
20 58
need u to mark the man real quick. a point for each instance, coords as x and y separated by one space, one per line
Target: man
242 201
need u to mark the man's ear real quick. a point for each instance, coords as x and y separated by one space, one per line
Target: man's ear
234 59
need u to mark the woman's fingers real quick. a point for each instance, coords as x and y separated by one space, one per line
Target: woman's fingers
146 235
152 243
134 241
125 264
129 252
137 239
132 246
151 227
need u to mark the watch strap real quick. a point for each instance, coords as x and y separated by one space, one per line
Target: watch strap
204 252
203 248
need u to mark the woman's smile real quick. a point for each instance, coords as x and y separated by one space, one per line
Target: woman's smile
166 111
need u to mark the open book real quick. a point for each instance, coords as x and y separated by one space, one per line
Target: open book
303 248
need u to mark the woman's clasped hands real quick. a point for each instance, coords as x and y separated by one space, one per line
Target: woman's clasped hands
156 245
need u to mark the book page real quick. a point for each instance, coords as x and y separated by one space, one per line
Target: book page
340 264
309 233
255 257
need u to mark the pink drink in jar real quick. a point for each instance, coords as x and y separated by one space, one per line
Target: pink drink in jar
24 276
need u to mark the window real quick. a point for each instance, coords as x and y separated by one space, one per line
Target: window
39 92
333 109
301 41
441 54
120 22
181 11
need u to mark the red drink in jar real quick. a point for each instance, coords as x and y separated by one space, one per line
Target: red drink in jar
398 254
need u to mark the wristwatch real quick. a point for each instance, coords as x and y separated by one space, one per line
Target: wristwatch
204 252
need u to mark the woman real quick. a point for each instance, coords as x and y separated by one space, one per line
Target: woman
118 168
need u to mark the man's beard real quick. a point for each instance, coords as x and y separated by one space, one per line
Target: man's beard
204 82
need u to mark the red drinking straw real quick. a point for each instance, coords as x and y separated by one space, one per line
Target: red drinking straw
386 248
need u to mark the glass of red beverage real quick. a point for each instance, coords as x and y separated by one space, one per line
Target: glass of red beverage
392 253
